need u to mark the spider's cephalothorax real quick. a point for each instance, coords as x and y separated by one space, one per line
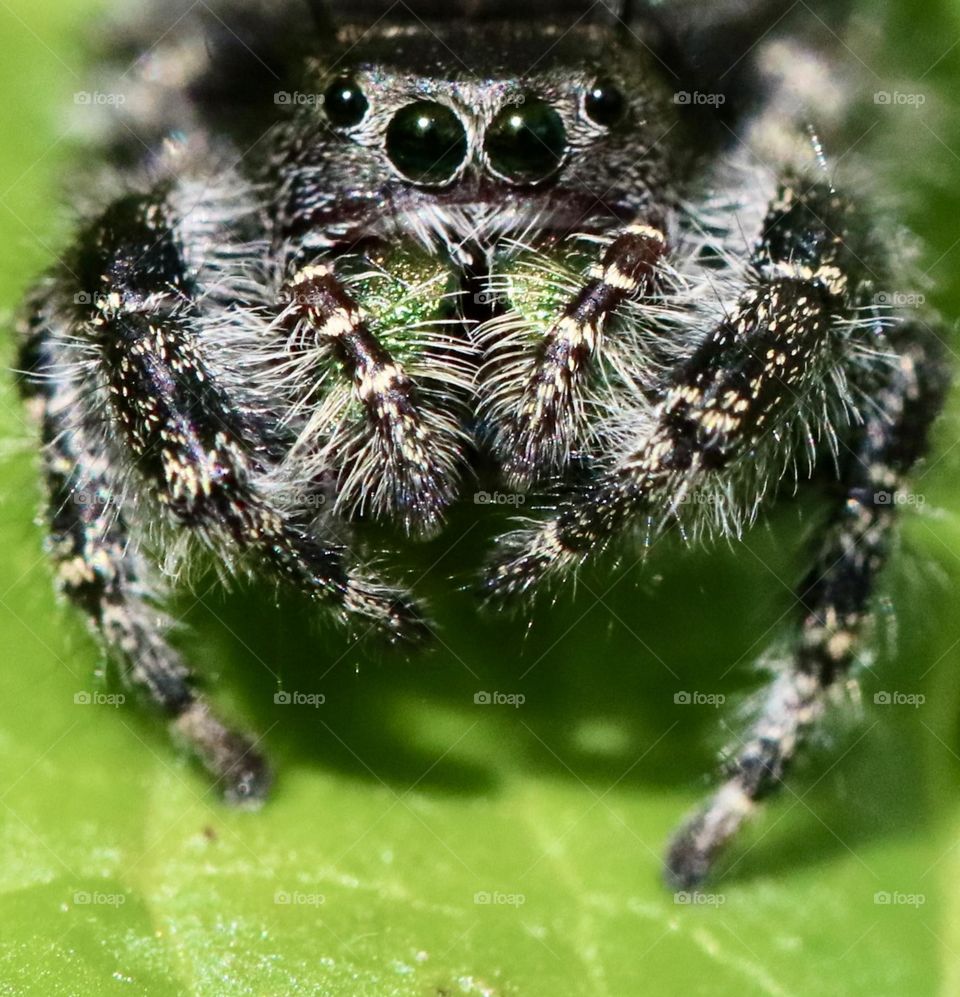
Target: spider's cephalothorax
608 253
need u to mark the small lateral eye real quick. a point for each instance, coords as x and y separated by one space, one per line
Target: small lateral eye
604 103
345 103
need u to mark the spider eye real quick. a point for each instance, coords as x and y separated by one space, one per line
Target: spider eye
345 103
526 142
604 103
427 142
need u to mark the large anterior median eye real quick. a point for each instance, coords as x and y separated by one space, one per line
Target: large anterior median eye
427 142
526 142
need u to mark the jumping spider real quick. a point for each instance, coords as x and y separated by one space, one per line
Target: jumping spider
606 250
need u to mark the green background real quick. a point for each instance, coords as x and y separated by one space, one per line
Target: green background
399 799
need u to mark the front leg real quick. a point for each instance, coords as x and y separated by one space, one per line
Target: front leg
205 456
138 430
734 403
767 371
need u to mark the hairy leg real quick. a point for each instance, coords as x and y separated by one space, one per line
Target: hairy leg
835 599
102 572
201 452
138 429
734 396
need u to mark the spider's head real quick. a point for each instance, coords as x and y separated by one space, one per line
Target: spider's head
505 129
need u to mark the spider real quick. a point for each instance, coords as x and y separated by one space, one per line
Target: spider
334 260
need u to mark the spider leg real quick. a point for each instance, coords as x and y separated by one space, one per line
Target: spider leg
835 598
546 399
727 410
201 452
727 402
101 571
416 463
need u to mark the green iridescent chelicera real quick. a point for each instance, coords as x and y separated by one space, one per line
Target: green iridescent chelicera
536 300
526 142
427 142
401 291
539 287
